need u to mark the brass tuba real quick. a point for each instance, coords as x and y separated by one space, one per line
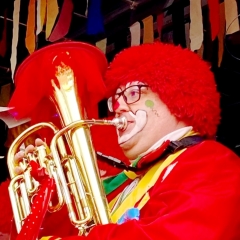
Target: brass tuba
73 161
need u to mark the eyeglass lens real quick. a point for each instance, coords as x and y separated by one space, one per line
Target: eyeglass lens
130 95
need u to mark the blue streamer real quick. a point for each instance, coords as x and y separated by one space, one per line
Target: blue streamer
130 214
95 23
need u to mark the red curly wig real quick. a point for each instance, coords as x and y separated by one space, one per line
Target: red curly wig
183 81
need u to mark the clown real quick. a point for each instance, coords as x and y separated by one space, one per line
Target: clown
182 183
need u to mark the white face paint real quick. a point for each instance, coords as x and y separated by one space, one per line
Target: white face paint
148 120
136 123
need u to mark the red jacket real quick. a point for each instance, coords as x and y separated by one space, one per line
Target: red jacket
199 199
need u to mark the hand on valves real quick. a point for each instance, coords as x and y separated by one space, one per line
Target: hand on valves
28 152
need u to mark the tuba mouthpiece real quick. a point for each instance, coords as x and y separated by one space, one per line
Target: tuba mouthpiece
120 123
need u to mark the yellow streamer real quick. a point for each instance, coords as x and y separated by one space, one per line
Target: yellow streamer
143 186
30 34
52 12
148 35
43 10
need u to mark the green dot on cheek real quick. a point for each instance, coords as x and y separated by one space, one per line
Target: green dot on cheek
149 103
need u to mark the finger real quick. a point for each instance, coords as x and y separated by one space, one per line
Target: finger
18 170
39 142
18 156
29 149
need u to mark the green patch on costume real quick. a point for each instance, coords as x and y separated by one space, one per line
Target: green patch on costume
112 183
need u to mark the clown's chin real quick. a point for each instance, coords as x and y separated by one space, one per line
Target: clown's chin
130 149
127 145
125 141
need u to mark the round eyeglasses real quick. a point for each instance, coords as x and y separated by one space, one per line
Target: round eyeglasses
130 95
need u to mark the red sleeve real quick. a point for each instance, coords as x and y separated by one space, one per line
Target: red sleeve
6 214
199 199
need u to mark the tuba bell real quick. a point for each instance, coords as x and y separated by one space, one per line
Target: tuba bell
59 72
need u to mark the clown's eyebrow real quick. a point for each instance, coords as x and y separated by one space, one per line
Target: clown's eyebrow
129 84
134 83
119 90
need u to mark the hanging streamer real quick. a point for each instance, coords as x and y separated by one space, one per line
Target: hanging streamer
63 24
52 12
3 42
148 35
41 15
135 31
187 35
231 14
38 18
221 33
200 51
95 23
13 59
160 25
30 39
86 11
102 44
214 17
196 25
5 94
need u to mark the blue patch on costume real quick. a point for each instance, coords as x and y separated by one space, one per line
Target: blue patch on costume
132 213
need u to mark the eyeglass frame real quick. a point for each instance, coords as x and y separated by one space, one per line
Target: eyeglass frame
110 100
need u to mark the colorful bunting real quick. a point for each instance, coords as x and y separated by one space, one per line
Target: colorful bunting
64 20
187 25
223 19
95 23
13 60
102 44
86 11
41 14
160 25
30 39
148 34
52 13
135 31
214 17
5 93
200 51
231 14
196 25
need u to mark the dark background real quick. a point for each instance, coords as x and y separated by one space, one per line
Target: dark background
118 15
